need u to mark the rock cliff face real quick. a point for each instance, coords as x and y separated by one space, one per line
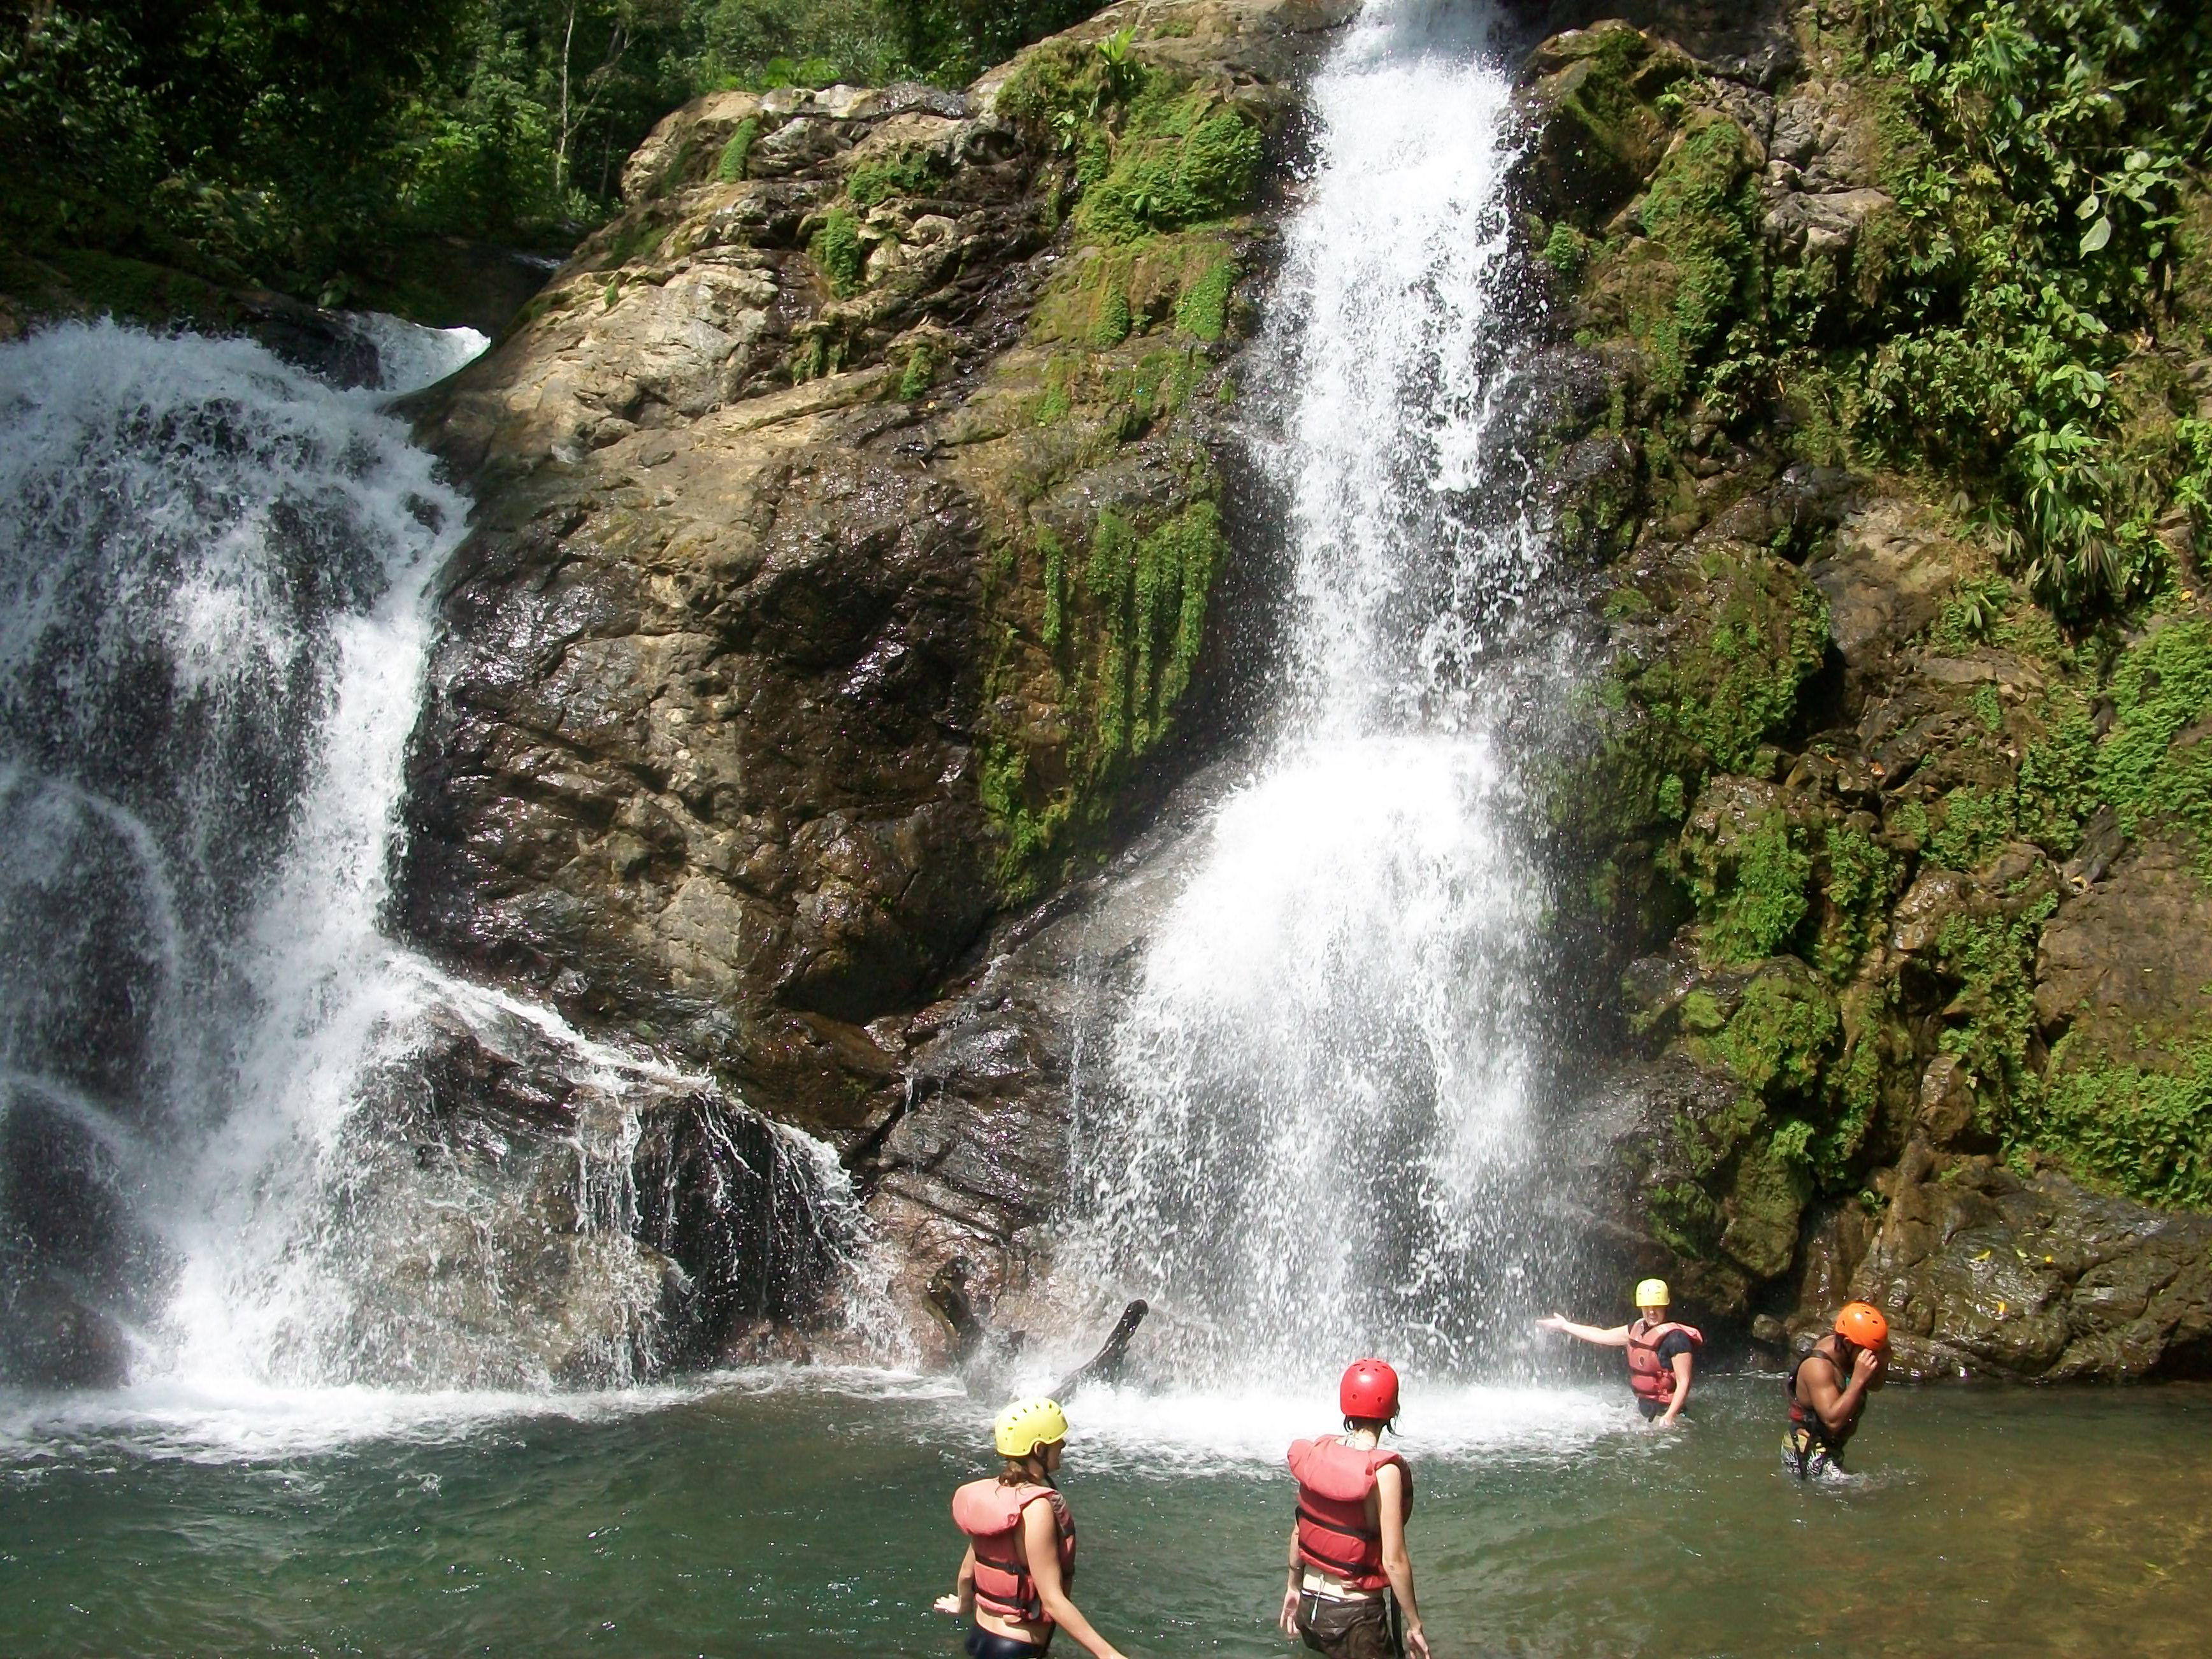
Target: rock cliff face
846 571
859 560
1905 874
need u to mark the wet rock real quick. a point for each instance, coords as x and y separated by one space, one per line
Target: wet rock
772 676
1946 1108
1985 1273
1889 569
975 1157
1589 104
517 1214
2128 961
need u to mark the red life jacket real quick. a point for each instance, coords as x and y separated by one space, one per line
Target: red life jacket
1335 1478
990 1513
1652 1379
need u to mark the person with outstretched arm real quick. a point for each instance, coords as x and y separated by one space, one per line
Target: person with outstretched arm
1827 1390
1662 1353
1014 1580
1351 1590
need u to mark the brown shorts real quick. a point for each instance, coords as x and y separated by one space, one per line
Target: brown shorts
1351 1629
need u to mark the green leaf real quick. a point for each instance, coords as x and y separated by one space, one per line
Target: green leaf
2089 206
2097 235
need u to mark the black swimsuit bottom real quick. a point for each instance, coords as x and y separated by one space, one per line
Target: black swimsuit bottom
989 1645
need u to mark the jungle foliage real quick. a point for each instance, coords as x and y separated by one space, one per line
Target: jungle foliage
282 142
2043 195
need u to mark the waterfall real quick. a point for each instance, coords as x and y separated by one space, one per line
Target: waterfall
245 1136
1305 1133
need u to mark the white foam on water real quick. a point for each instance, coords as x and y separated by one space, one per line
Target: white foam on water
238 1420
1136 1430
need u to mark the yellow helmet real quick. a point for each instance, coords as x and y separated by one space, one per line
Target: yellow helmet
1652 1293
1028 1424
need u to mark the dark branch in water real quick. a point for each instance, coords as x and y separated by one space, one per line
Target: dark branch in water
1105 1365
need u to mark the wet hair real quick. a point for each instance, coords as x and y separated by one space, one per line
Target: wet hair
1018 1472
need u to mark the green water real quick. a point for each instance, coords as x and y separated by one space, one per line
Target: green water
770 1518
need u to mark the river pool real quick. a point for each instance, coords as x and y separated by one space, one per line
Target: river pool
782 1513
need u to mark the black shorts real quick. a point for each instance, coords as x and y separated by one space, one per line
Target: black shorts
989 1645
1352 1630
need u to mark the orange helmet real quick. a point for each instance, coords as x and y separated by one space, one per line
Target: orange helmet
1860 1323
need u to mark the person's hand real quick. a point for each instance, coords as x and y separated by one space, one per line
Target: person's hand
1287 1619
1668 1420
1417 1645
1551 1322
946 1604
1868 1367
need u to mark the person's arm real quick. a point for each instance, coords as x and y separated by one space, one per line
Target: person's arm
1397 1563
1615 1338
1839 1406
962 1599
1682 1364
1040 1544
1287 1619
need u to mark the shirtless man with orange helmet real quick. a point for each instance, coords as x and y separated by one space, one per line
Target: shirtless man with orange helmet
1828 1387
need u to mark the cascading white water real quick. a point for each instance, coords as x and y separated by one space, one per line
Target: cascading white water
214 613
1302 1134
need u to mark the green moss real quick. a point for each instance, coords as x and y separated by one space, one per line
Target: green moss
1767 1197
913 171
1861 878
1700 269
1054 405
1970 825
920 373
638 237
1780 1037
731 167
1566 250
836 248
1753 904
1202 311
1722 680
2143 1130
1182 158
2155 763
1053 557
1129 632
1990 1024
1114 321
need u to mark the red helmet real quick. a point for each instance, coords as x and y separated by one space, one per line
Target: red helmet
1370 1389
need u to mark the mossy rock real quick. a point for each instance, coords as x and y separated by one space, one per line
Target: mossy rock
1598 132
1103 294
1712 650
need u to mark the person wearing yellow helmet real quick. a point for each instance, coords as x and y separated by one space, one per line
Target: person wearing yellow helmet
1662 1353
1827 1389
1014 1580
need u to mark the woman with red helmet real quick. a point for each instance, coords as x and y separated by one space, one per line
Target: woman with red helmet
1826 1397
1351 1590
